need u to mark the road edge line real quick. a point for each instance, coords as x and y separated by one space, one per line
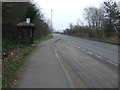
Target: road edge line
65 71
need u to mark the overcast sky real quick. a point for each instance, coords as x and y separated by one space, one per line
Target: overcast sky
66 11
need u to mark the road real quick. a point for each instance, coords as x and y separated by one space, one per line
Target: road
108 51
70 62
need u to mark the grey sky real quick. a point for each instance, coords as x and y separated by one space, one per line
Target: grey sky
66 11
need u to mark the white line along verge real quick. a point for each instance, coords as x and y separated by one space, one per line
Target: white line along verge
55 52
98 56
112 62
66 73
89 52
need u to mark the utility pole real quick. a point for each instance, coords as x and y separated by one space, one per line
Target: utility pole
51 21
119 6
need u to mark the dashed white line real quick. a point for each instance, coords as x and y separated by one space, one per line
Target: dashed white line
89 52
83 49
98 56
112 62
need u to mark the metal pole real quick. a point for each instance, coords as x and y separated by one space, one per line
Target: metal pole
51 20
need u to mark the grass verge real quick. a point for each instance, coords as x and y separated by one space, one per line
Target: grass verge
112 39
12 67
43 39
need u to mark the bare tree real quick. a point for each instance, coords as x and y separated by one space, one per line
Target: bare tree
94 16
71 26
79 22
87 14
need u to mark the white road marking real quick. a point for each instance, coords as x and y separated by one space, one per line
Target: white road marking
98 56
79 47
55 52
83 49
66 73
89 52
112 62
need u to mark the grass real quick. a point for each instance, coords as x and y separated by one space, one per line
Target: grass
113 39
43 39
10 69
13 66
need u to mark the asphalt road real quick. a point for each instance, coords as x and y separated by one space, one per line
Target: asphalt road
108 51
70 62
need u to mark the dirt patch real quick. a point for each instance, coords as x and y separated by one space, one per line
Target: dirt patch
12 55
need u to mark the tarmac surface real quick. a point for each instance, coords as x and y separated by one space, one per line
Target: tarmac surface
66 62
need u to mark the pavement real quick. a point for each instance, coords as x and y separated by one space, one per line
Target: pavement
70 62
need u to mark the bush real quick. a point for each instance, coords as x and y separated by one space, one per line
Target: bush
9 41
